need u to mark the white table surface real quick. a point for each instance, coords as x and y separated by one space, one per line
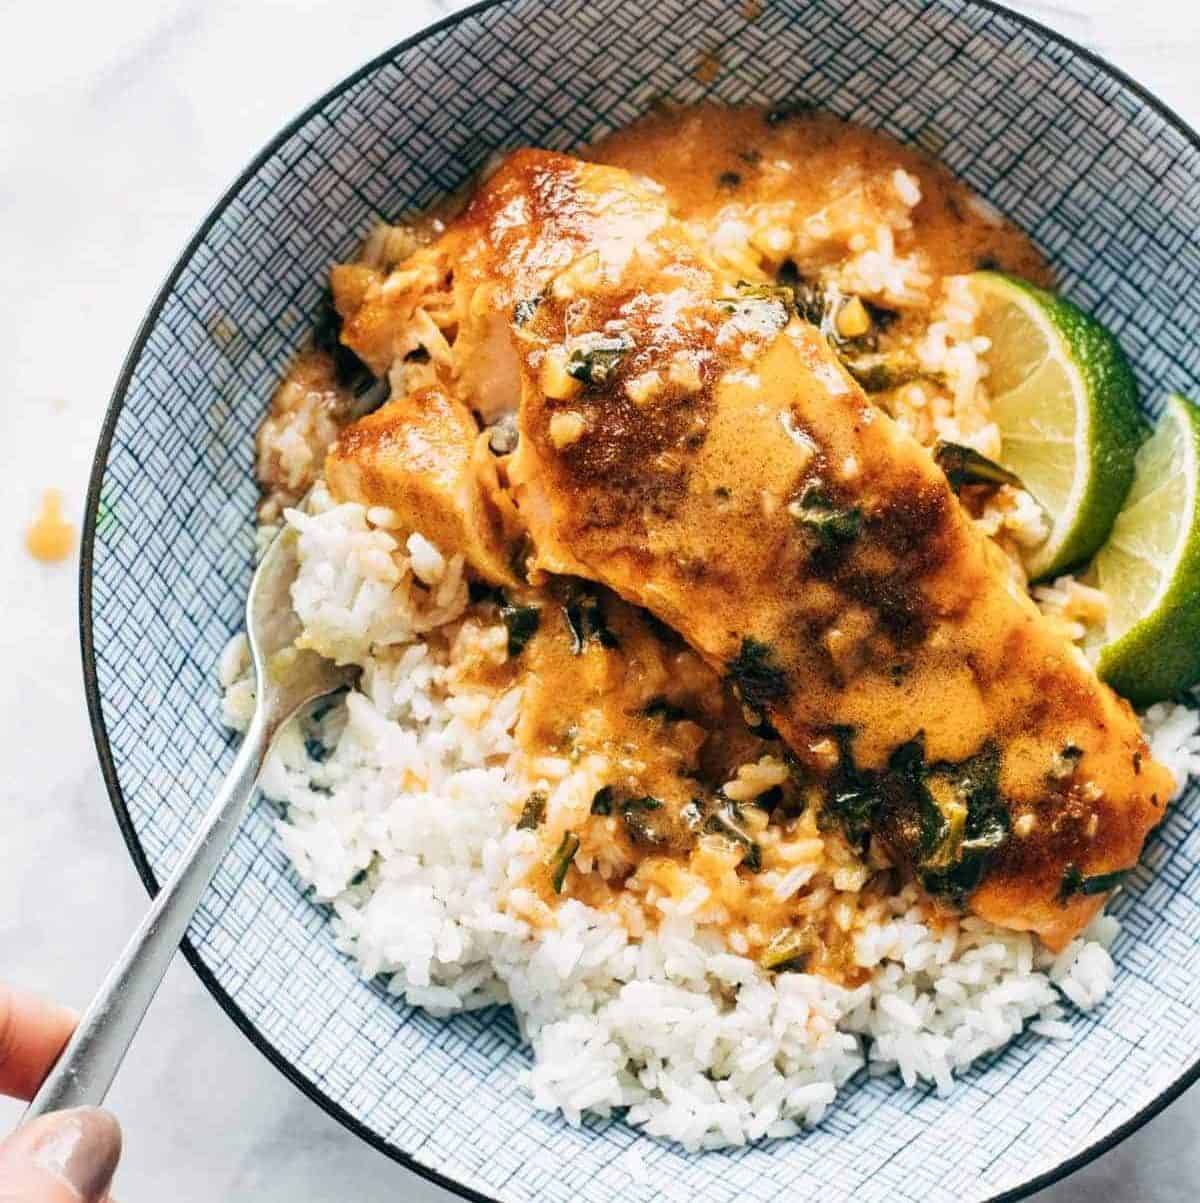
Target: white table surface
120 124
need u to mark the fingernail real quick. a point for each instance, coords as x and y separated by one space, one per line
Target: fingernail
79 1147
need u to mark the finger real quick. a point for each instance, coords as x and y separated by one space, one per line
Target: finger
32 1034
64 1157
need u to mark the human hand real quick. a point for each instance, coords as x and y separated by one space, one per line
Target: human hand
66 1157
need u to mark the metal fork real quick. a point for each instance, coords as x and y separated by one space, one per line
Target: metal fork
286 679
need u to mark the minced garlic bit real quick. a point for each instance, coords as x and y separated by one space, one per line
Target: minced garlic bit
642 389
582 276
684 372
1024 825
774 241
428 564
567 428
384 517
824 752
853 319
557 383
907 187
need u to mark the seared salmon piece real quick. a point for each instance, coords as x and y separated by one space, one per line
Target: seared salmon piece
423 457
687 441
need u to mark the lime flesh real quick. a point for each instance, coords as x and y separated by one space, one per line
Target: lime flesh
1065 401
1150 568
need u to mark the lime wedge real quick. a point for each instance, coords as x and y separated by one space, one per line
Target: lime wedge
1065 401
1150 568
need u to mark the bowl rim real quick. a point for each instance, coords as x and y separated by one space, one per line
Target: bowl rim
1172 1091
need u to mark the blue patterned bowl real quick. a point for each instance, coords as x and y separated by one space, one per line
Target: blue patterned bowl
1105 179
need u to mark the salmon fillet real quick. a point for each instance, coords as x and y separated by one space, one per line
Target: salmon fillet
689 442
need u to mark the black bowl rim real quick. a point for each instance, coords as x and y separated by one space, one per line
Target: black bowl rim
1186 1079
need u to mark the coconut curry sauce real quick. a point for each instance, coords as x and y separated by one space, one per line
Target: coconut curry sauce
827 183
683 799
660 395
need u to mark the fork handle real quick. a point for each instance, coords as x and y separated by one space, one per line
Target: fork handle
86 1067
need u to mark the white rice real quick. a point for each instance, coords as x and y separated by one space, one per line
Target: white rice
397 806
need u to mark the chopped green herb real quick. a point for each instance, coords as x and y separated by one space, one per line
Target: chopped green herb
585 620
946 819
758 678
815 304
602 801
985 829
518 556
941 848
646 802
881 317
965 466
524 309
788 950
789 273
788 110
726 820
667 711
819 304
852 797
906 766
480 592
647 824
757 724
574 617
834 526
1064 763
597 360
533 813
878 372
522 623
1074 882
853 806
1102 883
769 798
751 290
763 307
560 862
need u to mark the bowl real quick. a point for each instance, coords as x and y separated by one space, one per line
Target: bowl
1104 178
